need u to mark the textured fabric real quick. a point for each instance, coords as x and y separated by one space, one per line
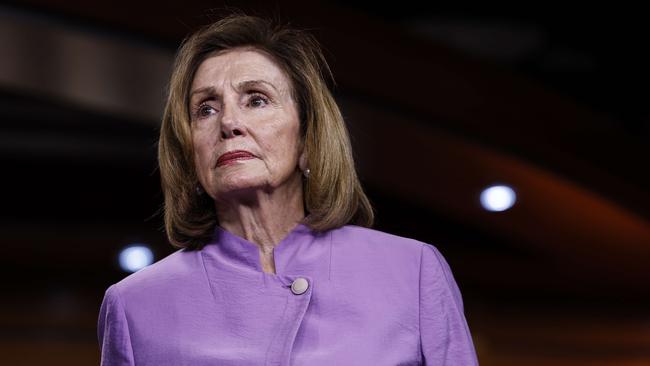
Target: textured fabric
373 299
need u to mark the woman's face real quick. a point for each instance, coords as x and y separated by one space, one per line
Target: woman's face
245 125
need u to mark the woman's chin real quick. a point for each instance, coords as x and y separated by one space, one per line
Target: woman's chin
241 187
249 186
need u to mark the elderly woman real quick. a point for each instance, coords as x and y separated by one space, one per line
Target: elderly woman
277 264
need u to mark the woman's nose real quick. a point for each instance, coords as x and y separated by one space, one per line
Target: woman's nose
230 133
231 125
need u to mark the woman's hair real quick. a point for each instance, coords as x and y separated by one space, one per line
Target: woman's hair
333 195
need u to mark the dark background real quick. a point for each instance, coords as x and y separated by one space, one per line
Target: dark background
549 100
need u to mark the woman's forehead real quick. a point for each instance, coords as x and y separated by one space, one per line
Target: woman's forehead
234 67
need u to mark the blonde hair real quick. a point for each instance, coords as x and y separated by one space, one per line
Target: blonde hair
333 195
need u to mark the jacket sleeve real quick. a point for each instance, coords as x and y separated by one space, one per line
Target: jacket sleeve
113 331
445 336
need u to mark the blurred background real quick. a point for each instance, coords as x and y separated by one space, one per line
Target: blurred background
548 106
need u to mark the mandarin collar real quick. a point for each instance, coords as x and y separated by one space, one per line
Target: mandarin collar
301 252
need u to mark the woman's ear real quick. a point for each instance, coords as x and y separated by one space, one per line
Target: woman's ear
302 161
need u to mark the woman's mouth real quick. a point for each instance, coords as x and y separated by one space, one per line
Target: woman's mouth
233 156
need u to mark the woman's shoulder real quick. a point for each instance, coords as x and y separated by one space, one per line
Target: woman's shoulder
363 234
376 247
176 269
363 238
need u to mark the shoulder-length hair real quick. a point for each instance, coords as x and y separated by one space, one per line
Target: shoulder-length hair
333 195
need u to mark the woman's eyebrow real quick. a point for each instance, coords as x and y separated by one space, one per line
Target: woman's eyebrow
209 90
253 83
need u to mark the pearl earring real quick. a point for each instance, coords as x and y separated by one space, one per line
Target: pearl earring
306 172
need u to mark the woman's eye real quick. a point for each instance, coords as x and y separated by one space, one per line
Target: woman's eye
258 100
204 110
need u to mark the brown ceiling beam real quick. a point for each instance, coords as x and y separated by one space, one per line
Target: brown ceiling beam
553 216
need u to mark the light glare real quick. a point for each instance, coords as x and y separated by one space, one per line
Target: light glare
498 198
135 257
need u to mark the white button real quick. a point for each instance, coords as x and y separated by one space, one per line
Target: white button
299 286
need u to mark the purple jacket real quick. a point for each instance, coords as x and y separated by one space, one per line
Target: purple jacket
349 296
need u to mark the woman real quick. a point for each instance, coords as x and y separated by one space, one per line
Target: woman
277 264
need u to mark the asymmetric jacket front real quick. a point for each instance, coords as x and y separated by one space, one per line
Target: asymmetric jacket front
348 296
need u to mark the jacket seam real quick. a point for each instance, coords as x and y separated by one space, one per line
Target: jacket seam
419 303
329 268
450 287
122 305
459 308
205 275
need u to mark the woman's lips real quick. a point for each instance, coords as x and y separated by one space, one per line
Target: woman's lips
233 156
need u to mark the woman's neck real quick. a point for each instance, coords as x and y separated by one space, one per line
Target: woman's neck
263 217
